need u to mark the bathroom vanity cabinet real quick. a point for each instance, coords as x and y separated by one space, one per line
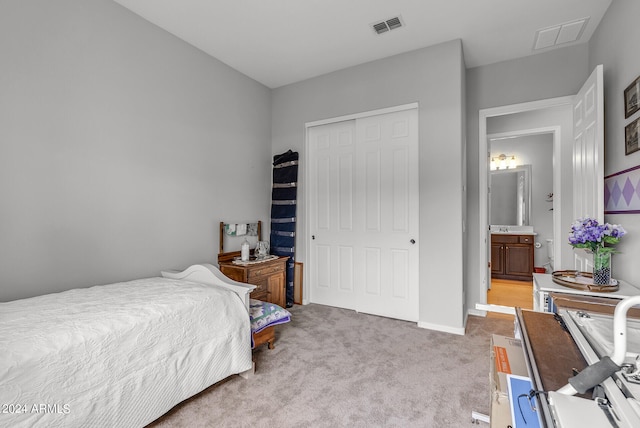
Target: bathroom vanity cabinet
512 256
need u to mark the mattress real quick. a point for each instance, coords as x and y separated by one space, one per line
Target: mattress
117 355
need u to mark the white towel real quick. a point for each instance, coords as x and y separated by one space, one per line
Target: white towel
241 229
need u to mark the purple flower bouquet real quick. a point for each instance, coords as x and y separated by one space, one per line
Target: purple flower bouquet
589 234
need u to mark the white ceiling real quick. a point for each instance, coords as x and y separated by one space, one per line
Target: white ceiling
278 42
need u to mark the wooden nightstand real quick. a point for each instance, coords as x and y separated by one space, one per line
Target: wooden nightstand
269 277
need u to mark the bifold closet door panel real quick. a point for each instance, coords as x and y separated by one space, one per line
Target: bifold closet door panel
331 214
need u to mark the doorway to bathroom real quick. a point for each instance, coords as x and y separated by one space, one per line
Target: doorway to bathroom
520 206
550 119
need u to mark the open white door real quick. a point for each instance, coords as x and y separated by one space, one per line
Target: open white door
588 157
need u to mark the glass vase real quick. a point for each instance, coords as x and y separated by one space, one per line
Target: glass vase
602 268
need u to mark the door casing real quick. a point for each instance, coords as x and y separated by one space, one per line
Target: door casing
484 273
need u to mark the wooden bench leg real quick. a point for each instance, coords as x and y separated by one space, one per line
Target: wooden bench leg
268 336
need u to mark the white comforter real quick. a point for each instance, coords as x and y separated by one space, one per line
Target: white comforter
117 355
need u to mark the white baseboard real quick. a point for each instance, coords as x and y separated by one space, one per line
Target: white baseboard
510 310
476 312
444 328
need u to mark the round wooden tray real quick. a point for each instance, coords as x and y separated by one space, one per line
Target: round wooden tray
582 281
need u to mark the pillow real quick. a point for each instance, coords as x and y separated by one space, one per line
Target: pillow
265 314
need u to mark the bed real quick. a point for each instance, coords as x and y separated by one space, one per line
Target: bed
121 354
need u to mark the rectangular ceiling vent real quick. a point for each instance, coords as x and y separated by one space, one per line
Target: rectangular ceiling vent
560 34
387 25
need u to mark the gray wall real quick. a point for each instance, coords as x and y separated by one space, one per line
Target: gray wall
433 77
552 74
121 147
615 45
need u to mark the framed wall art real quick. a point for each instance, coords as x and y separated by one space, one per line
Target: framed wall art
631 98
631 137
622 192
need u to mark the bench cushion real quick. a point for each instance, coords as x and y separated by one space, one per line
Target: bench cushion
265 314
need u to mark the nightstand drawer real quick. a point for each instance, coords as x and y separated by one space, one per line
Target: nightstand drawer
260 293
260 287
265 271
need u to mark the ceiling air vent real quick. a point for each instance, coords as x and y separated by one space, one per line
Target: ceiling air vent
559 34
388 25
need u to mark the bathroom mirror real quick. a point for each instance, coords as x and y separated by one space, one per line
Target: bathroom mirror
511 196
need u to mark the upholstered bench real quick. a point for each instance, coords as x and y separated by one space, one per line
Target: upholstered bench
264 317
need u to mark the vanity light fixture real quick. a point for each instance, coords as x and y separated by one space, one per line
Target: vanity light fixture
503 162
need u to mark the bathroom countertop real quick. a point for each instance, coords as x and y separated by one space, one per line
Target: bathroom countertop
513 233
502 229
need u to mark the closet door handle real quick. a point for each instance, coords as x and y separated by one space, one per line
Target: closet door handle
413 241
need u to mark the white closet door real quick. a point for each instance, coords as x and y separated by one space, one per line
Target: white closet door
331 191
588 157
364 214
387 206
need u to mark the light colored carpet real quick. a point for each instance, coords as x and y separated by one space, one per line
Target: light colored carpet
337 368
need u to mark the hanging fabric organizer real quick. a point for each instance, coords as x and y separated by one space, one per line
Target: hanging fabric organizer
283 212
